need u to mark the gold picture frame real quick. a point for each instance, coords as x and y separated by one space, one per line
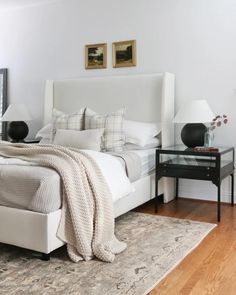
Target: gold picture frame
124 53
96 56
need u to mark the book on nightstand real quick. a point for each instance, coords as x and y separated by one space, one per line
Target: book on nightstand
205 149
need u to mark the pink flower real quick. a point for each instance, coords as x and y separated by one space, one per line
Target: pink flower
218 120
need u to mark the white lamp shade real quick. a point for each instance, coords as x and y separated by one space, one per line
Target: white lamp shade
16 112
195 111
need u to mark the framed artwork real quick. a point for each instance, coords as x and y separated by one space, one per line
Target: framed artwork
96 56
3 102
124 53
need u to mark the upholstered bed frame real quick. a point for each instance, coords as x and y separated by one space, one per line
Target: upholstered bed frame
147 98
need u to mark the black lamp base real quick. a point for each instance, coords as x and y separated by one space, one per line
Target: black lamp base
18 131
193 134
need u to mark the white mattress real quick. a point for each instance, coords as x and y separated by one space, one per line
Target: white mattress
28 196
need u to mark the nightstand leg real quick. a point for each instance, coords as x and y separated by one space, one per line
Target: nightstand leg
156 196
232 189
218 203
177 188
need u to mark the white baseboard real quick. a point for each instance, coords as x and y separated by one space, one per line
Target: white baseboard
204 191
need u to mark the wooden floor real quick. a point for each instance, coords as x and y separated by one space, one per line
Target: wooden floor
211 267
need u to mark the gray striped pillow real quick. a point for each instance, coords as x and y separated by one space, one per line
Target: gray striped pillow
113 137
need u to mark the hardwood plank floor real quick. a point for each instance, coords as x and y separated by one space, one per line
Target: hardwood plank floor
211 268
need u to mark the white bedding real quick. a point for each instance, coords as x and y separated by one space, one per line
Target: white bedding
147 158
13 171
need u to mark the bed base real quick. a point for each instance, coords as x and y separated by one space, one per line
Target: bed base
38 231
30 230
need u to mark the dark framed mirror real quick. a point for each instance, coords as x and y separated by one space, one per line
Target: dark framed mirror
3 102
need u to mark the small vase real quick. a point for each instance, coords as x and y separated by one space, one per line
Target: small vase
209 138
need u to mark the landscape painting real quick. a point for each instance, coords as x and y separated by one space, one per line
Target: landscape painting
124 54
96 56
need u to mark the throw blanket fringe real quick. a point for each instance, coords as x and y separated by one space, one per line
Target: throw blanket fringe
87 222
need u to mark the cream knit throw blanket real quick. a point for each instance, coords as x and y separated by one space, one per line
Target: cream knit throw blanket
87 222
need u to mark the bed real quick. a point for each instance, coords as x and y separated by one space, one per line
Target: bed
148 98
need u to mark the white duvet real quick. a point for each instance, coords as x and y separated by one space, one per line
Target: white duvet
110 166
113 173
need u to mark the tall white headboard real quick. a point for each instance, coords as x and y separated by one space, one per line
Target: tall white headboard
148 98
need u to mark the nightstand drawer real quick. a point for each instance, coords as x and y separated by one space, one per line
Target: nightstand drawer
202 174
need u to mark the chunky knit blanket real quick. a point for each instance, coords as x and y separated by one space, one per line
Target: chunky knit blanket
87 222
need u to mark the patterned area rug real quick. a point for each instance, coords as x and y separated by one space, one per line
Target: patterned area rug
156 245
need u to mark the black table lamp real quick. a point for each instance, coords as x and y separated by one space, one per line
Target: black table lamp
17 114
194 113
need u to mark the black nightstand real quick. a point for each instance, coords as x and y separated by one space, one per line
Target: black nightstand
181 162
32 141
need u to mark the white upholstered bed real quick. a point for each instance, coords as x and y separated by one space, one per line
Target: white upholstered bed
148 98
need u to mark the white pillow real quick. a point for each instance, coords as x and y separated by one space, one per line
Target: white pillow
45 132
140 133
85 139
45 141
153 143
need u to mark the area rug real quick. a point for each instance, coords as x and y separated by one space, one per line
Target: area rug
156 244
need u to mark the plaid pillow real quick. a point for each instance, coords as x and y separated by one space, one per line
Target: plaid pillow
73 121
113 137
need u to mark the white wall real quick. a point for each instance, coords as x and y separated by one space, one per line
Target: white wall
195 39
